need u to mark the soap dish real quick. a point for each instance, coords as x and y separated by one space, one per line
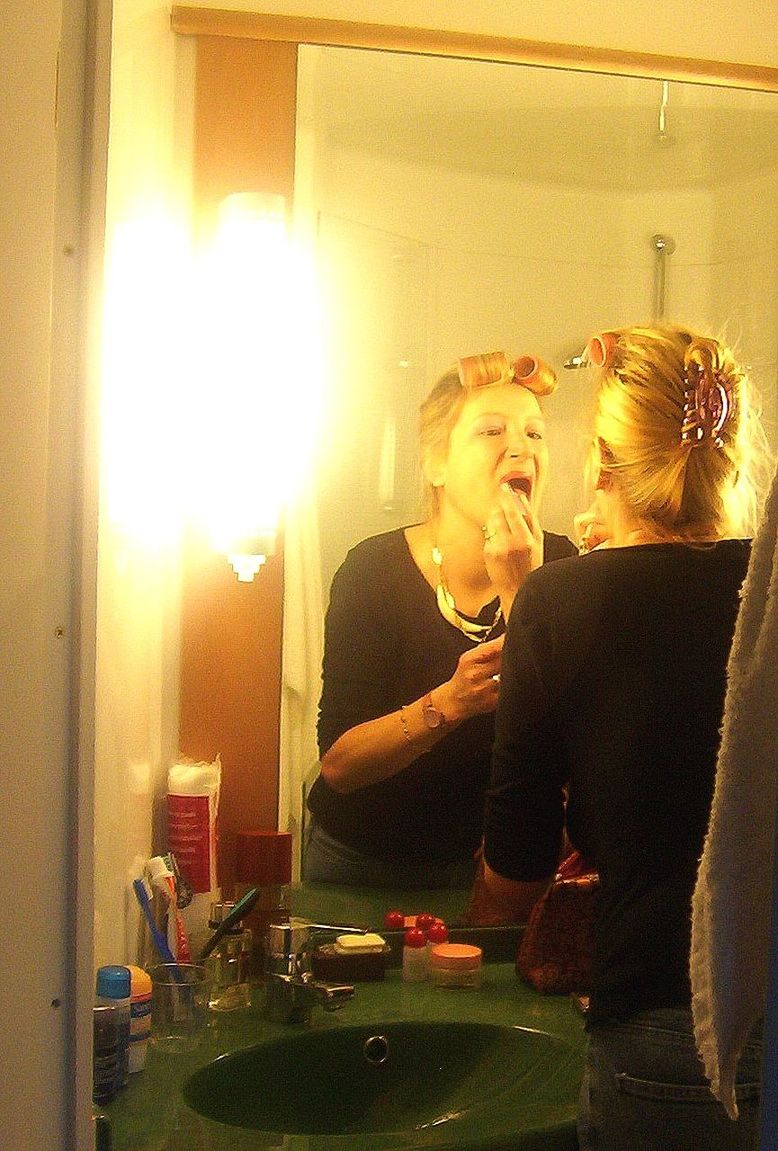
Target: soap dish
335 964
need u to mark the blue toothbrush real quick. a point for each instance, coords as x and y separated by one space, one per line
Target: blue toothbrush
142 896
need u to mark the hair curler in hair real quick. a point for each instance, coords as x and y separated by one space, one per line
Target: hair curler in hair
495 368
489 368
534 374
599 350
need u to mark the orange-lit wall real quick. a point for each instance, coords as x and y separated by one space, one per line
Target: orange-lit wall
231 631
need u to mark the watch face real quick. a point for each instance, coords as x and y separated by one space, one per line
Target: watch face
432 717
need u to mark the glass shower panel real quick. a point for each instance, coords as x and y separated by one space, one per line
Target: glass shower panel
376 286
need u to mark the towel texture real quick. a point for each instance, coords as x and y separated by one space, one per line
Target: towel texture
731 905
303 641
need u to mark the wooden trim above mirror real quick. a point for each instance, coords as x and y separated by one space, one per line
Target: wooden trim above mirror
468 45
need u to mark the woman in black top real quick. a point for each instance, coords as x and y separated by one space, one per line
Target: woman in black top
613 681
413 640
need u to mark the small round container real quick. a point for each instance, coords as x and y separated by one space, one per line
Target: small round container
455 965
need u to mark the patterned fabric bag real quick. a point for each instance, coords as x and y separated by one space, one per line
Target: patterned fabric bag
556 950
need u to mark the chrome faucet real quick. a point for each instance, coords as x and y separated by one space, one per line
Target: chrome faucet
291 991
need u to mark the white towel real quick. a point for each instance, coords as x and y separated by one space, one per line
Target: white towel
731 906
302 655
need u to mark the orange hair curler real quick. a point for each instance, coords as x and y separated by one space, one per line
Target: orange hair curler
599 350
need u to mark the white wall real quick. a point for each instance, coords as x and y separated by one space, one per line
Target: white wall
142 366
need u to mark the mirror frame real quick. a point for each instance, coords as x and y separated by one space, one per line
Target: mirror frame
245 105
469 46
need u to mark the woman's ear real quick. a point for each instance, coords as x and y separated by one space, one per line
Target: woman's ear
434 467
603 456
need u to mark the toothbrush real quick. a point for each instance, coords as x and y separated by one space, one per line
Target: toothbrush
142 895
241 908
159 873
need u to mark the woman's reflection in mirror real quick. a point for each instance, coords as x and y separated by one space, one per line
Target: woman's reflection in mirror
613 681
413 640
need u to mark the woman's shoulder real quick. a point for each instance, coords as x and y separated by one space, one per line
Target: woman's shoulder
556 547
609 567
374 558
378 547
379 581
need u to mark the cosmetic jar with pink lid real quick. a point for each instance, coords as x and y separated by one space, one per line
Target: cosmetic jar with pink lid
455 965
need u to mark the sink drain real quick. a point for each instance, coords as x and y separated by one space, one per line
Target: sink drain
375 1050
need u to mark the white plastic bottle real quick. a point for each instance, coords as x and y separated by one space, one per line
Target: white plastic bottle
140 1017
414 955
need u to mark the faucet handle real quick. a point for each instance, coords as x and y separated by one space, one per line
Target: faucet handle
287 942
288 937
337 928
336 995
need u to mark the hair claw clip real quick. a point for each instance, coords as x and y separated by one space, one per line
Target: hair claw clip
707 407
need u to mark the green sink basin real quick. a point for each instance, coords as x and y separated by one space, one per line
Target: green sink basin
437 1083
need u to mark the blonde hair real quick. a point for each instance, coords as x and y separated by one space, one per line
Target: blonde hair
687 486
442 408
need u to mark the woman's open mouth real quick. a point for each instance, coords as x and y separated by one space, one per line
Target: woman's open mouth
520 484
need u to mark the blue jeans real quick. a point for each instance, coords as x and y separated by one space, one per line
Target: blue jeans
327 860
644 1089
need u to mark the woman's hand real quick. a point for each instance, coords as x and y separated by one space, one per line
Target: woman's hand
513 544
380 748
474 686
590 529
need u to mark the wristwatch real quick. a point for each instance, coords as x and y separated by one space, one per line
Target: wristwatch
432 716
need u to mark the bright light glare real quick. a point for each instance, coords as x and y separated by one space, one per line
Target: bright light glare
245 566
147 272
254 402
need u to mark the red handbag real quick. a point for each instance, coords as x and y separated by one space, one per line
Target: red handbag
557 948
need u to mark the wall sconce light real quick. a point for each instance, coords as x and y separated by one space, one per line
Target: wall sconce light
248 287
247 559
252 416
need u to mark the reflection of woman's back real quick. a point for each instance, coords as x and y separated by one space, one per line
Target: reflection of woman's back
613 682
413 639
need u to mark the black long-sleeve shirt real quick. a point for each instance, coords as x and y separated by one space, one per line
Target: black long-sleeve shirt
613 682
385 645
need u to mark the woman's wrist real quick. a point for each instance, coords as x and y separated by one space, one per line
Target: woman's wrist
425 720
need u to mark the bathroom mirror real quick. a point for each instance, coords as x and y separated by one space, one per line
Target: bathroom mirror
464 205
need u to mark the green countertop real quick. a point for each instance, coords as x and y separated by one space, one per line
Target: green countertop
150 1114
